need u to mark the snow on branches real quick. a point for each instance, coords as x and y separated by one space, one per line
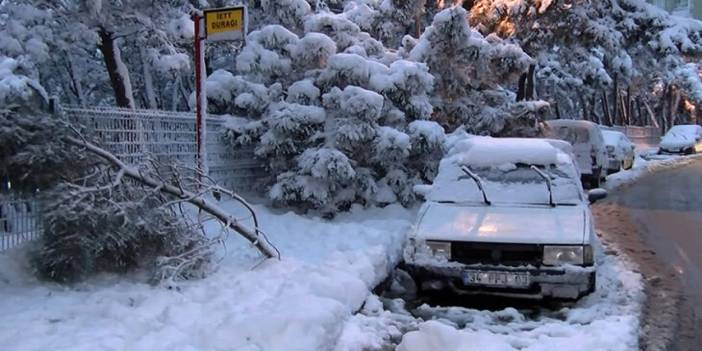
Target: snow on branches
585 47
469 72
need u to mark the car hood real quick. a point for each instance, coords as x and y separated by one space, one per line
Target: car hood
503 224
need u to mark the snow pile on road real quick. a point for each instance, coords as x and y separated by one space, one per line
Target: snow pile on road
608 319
645 163
299 303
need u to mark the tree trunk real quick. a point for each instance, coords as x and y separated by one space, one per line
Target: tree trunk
583 105
148 80
117 70
605 108
629 106
640 116
615 101
521 87
664 110
651 115
75 80
674 105
530 92
593 110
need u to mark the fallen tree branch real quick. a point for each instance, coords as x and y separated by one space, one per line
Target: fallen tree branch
260 242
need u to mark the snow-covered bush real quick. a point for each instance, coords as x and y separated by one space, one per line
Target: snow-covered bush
93 220
115 230
339 104
17 91
32 153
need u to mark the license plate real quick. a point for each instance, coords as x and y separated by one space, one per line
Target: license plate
492 278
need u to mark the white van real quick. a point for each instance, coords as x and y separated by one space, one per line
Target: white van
588 146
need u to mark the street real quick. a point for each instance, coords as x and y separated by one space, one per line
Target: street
657 221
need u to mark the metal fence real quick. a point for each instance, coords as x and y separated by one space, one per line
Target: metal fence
134 136
20 221
170 137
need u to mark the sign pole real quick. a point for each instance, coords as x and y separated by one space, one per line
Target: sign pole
200 93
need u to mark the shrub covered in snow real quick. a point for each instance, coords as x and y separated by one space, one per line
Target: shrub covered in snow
32 153
115 230
93 220
333 129
17 91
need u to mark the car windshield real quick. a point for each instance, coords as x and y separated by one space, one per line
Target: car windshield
509 183
572 135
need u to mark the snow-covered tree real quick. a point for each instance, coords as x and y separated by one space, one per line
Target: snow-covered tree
128 53
333 127
470 71
597 59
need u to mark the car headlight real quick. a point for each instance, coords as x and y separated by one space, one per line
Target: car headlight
577 255
440 248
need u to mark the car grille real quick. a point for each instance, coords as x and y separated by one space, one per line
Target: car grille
504 254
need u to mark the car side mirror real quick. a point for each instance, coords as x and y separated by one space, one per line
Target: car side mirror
595 195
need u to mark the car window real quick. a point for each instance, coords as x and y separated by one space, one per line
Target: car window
573 135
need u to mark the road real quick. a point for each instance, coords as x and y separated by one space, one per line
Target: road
658 221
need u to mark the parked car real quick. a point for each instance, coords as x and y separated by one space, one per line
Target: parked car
620 151
683 139
505 217
588 147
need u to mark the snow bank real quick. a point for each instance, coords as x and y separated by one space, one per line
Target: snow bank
646 163
299 303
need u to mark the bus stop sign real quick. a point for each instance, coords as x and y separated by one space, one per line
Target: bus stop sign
225 24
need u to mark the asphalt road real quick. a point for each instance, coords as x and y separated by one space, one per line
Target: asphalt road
667 208
658 219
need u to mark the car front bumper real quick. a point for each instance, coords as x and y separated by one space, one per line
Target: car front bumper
569 282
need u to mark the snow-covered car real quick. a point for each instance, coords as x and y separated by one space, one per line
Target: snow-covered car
682 139
620 151
588 147
505 217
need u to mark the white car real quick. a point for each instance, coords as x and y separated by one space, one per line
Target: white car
588 147
620 151
682 139
505 217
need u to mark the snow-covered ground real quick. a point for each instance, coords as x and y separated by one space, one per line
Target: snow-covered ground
605 320
299 303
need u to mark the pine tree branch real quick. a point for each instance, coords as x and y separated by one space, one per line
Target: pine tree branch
255 237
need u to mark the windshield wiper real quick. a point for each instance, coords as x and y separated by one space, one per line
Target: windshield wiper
478 182
548 184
